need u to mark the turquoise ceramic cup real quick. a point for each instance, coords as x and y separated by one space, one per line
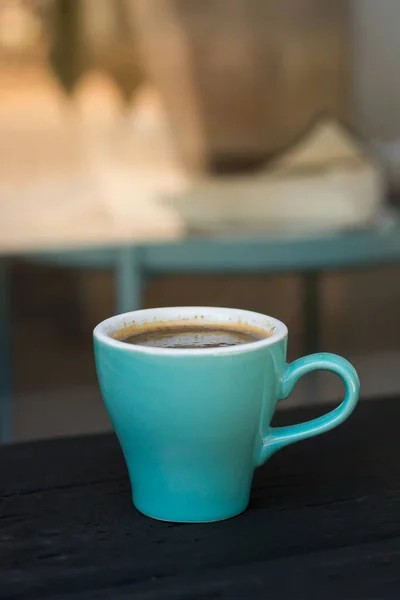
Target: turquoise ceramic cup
195 424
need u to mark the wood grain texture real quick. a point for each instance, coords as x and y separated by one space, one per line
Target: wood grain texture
323 521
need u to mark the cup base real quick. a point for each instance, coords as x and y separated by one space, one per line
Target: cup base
188 520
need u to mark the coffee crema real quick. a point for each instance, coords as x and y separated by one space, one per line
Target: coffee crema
190 336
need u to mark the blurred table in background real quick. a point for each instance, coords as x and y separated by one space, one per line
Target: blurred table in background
132 263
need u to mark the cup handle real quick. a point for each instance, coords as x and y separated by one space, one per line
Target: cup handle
278 437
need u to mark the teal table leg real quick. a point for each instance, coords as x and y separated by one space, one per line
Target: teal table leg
311 313
5 355
128 280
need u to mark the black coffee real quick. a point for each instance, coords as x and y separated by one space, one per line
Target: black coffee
192 337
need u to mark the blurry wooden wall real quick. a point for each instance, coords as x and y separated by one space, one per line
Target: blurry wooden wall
242 78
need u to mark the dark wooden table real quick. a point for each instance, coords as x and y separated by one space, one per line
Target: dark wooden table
323 523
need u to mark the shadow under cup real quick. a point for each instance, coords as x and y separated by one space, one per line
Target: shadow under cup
194 424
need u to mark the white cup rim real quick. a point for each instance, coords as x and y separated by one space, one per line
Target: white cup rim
276 329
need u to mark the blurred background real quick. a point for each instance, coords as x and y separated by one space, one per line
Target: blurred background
115 115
